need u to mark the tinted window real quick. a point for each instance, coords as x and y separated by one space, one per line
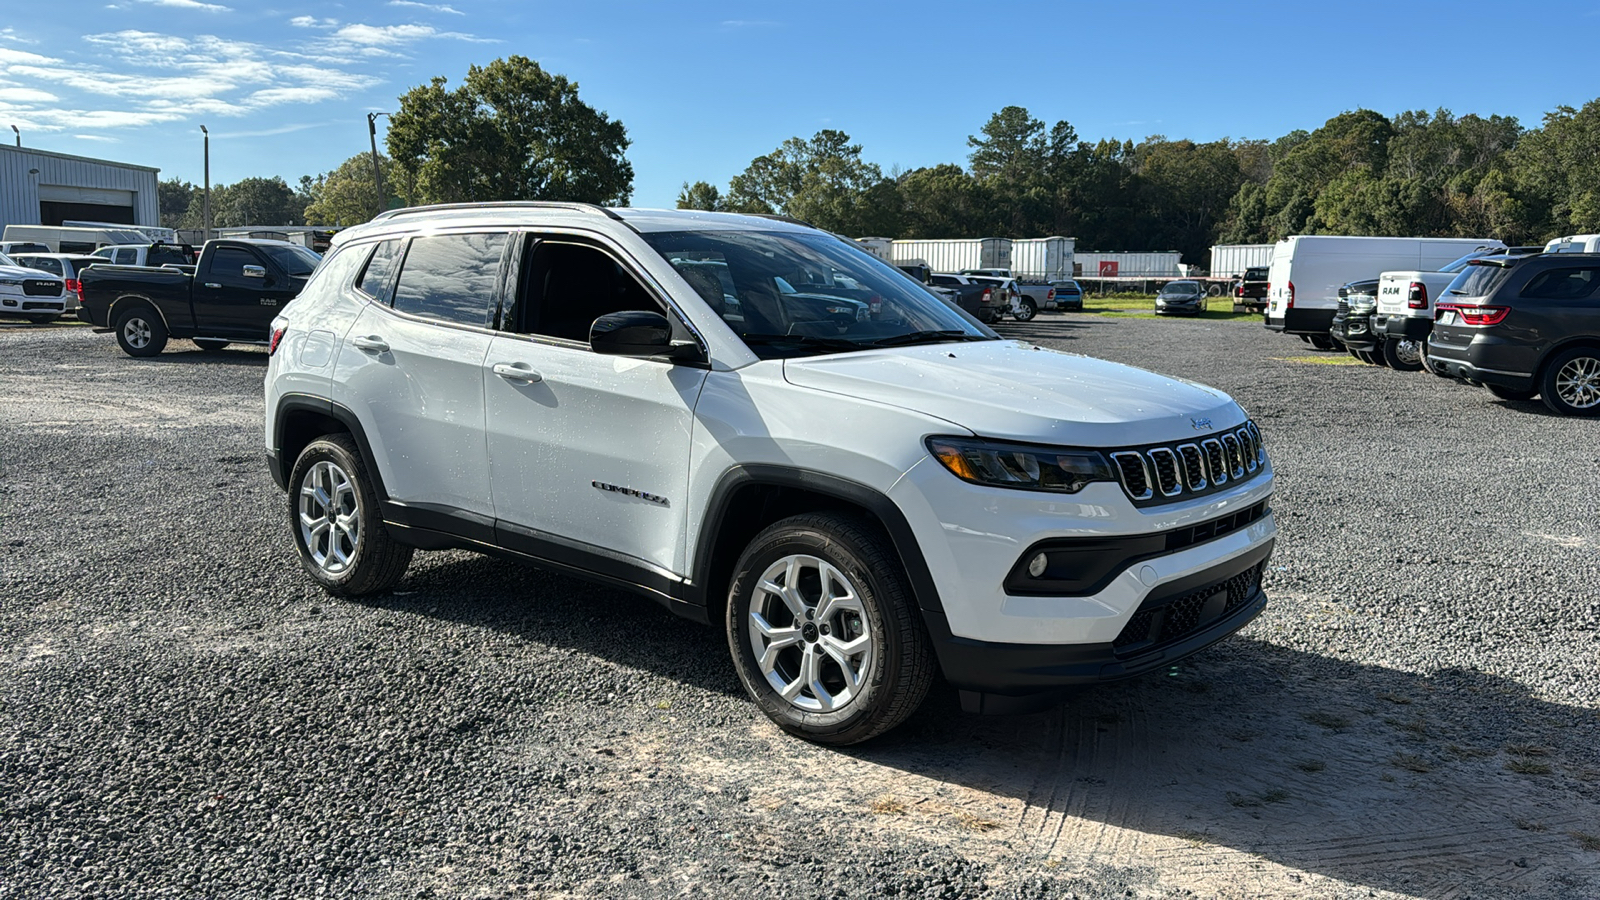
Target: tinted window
229 262
378 280
166 254
127 256
42 263
1562 284
1478 280
565 287
297 261
76 246
451 277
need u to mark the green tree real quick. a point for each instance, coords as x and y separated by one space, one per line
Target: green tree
174 197
511 131
822 180
255 201
346 196
700 195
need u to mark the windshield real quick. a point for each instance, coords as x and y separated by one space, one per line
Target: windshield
1478 280
297 261
800 293
1180 287
6 260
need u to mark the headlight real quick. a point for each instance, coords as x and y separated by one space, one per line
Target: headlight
1024 466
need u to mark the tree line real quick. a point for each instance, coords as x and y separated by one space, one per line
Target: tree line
1416 174
513 131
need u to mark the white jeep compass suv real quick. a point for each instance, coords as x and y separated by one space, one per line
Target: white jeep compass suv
760 425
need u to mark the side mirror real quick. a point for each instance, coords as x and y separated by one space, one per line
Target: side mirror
638 333
255 272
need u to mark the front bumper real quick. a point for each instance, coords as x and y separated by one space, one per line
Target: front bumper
23 305
1353 330
1176 621
1187 308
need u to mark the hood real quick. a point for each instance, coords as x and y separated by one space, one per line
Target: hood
25 272
1017 391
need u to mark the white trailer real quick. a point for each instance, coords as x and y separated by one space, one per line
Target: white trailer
954 255
1152 264
1042 259
1230 260
881 247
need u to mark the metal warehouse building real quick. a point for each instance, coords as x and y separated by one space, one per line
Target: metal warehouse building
38 187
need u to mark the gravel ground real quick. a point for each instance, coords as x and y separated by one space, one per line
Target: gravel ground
184 714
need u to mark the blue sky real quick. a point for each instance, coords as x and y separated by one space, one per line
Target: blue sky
703 87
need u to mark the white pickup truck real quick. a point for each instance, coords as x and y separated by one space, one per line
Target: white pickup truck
1406 299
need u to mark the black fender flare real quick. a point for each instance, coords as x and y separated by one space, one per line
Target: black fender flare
874 501
322 406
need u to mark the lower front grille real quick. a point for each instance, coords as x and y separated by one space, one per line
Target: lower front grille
30 304
1167 621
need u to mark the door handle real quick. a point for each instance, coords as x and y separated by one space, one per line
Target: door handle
517 372
371 343
212 284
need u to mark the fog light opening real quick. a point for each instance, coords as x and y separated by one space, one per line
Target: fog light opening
1038 564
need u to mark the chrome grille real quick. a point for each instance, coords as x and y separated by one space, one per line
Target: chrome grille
1172 472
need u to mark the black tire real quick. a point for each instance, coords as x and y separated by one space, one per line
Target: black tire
1320 341
42 320
375 561
1505 393
1026 310
141 332
210 345
1427 364
898 667
1403 355
1558 385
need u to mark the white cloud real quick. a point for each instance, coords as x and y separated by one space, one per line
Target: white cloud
187 4
383 35
271 132
27 95
434 7
312 22
98 137
10 34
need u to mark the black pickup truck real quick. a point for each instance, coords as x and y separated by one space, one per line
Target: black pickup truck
1250 294
232 295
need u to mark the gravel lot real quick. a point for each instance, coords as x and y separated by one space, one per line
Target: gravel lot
184 714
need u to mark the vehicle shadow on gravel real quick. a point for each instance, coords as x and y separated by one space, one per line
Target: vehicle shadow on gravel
1428 785
1041 329
243 356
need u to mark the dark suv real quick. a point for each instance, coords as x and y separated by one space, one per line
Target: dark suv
1524 326
1352 321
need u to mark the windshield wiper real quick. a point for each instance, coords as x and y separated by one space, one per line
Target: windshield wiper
926 337
803 339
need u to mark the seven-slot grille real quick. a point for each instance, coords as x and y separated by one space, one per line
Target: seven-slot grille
1172 472
40 287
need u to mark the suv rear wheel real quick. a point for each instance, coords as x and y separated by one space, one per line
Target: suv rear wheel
824 632
1571 382
333 513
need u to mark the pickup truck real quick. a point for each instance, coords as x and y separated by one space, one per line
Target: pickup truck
238 286
1404 317
1250 295
981 300
157 254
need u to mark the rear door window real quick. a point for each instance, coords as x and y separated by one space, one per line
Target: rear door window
451 277
377 281
127 256
1566 283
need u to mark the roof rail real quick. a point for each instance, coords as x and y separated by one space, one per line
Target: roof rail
499 204
783 218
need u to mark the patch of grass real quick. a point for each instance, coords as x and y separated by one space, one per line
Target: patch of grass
1460 752
1276 795
663 704
1587 840
1195 839
1525 825
1417 726
1523 766
1526 750
1143 306
887 805
1311 765
1242 801
1386 777
1395 699
1328 720
1411 762
1330 359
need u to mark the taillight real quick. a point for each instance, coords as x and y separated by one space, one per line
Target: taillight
988 295
1239 291
1050 295
277 336
1476 315
74 286
875 304
1291 296
1417 295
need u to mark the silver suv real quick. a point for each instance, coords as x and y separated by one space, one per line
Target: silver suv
761 426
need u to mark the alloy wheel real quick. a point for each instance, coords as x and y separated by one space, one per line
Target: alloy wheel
137 333
809 633
330 517
1578 382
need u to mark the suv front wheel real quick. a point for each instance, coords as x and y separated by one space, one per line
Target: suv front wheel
338 529
824 632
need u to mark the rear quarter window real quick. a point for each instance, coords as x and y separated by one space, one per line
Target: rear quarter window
1566 283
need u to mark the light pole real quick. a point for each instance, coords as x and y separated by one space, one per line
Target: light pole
19 135
206 214
377 173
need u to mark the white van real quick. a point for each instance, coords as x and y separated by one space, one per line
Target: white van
73 240
152 233
1574 243
1308 270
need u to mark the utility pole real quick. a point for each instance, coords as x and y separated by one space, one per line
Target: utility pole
206 223
377 173
19 135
